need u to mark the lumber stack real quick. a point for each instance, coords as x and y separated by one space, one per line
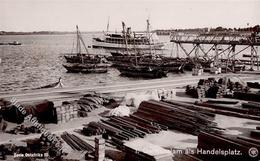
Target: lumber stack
120 129
176 116
247 95
80 108
236 148
67 112
141 150
253 85
230 108
76 143
220 107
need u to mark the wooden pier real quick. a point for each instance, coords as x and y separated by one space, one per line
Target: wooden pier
220 44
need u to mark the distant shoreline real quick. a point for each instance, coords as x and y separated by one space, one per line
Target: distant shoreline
2 33
255 28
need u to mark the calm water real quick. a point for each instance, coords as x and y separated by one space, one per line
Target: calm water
38 61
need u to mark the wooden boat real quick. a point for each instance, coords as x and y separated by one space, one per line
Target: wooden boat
52 85
85 68
142 71
14 43
84 62
78 58
149 61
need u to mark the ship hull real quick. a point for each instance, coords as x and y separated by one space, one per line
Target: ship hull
79 68
133 71
106 45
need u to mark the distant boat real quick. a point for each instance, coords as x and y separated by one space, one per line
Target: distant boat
79 58
139 41
53 85
85 68
15 43
11 43
142 71
80 62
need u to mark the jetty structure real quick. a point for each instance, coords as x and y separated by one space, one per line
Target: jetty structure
224 47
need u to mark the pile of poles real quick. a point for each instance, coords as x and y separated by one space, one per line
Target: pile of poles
76 143
81 107
248 110
119 129
178 117
240 148
152 117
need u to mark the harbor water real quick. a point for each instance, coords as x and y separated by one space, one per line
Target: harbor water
38 61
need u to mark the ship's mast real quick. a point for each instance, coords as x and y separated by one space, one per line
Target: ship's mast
78 50
108 24
135 51
125 36
149 35
80 40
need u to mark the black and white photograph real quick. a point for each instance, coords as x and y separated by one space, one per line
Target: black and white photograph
130 80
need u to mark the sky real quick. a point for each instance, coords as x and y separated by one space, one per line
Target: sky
93 15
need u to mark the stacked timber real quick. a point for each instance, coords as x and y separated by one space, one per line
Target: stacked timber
80 108
176 117
140 150
253 85
247 95
152 117
21 129
120 129
67 112
251 105
232 108
209 108
225 148
76 143
212 88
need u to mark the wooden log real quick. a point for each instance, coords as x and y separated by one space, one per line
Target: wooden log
252 140
255 133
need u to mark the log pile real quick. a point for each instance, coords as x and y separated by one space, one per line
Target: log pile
247 95
76 143
140 150
209 88
21 129
176 116
123 128
240 148
212 109
253 85
80 108
249 111
212 88
152 117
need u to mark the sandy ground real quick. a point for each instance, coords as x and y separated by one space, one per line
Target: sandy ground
61 94
167 139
